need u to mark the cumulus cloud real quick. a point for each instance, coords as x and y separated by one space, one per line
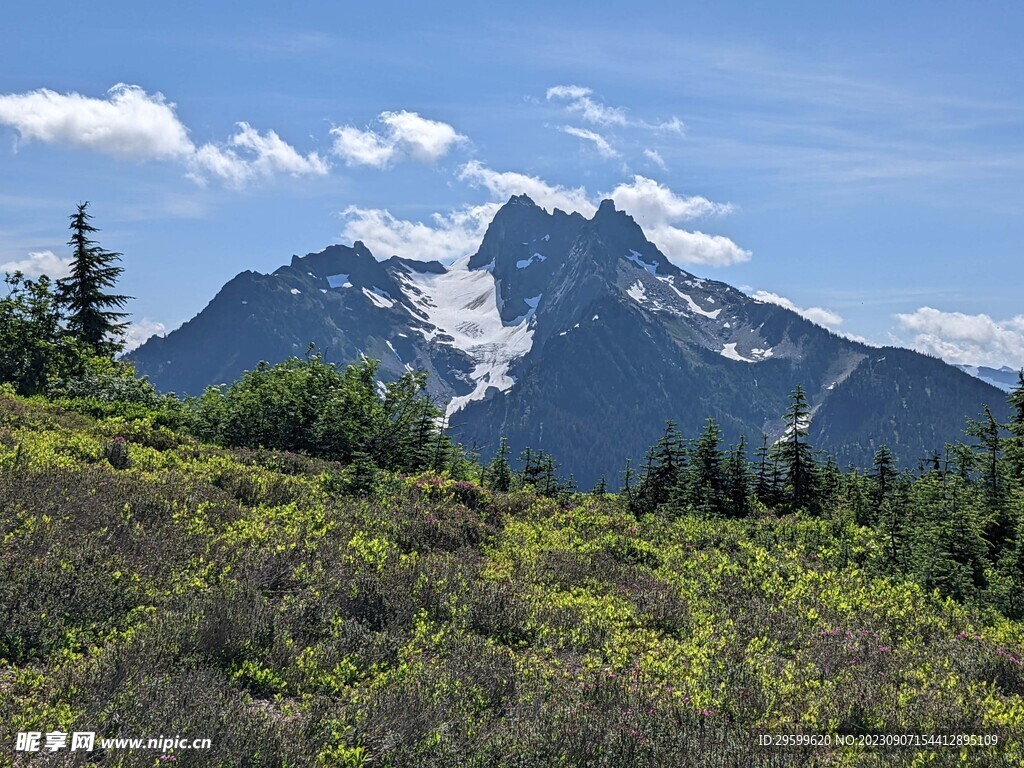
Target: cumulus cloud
579 100
655 157
403 135
131 123
658 210
600 142
140 331
250 154
128 123
40 263
503 184
445 238
819 315
966 339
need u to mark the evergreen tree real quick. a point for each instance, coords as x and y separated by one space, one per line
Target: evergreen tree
883 477
93 318
763 488
990 446
601 488
737 481
705 482
500 473
1015 443
796 455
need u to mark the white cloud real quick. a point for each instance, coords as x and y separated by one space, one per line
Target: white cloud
966 339
137 333
128 123
655 157
600 142
578 100
134 124
404 135
251 155
503 184
819 315
652 203
445 238
448 236
657 209
40 263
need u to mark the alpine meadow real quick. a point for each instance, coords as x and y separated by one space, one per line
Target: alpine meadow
411 387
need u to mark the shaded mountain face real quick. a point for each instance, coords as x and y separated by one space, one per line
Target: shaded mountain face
575 336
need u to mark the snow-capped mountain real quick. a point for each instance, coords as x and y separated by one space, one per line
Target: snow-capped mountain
577 336
1004 378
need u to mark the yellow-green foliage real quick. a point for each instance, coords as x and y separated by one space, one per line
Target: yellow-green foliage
233 595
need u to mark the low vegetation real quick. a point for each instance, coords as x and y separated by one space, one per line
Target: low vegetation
303 568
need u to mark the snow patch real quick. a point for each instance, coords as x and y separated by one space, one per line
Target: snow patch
461 310
380 299
546 238
693 305
637 292
392 348
296 291
729 351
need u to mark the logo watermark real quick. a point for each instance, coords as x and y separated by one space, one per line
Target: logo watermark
88 741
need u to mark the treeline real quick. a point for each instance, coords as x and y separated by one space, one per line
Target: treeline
955 524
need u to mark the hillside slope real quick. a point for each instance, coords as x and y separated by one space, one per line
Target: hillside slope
235 595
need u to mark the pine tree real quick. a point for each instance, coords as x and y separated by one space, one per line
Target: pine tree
93 318
601 488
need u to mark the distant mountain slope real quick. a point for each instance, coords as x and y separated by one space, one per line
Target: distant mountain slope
1004 378
577 336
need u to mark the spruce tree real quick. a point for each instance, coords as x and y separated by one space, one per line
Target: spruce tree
93 318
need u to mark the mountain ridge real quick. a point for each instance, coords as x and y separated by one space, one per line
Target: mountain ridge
574 335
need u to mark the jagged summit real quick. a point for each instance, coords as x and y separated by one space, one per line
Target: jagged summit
574 335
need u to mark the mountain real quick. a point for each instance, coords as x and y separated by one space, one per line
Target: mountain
576 336
1004 378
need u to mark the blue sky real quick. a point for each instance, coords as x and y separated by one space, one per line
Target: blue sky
862 161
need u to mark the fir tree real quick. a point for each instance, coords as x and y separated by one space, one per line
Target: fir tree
737 481
883 477
500 472
796 455
93 318
705 486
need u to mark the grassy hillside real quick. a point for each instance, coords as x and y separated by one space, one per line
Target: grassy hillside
155 585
